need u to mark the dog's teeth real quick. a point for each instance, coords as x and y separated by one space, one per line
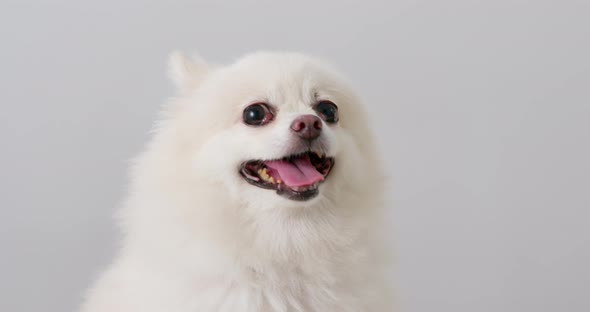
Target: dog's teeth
265 176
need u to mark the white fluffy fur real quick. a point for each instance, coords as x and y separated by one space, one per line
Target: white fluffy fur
199 238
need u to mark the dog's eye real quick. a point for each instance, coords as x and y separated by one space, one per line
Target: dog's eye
257 114
328 111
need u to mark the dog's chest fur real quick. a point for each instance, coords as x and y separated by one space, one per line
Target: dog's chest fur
331 287
291 291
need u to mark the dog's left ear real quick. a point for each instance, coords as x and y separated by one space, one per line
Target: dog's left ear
186 74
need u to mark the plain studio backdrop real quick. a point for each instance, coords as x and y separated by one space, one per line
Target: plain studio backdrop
482 109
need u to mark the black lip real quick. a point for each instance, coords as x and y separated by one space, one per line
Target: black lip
299 196
248 170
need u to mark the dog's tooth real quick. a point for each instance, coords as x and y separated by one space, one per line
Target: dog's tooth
265 176
279 181
262 174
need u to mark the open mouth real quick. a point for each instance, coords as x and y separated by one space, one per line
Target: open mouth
296 177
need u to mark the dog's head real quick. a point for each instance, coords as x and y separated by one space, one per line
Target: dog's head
273 130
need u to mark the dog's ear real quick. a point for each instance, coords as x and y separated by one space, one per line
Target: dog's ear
186 74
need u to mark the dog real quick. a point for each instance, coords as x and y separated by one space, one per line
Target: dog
260 190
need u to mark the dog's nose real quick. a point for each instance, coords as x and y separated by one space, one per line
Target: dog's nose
308 127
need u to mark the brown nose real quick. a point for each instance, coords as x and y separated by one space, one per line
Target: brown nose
308 127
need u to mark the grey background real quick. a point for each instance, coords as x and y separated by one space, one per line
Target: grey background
482 110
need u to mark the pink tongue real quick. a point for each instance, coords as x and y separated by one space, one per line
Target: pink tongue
298 172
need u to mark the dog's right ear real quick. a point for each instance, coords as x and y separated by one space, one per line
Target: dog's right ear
186 74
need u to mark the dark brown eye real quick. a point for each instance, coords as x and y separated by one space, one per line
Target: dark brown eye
257 114
328 111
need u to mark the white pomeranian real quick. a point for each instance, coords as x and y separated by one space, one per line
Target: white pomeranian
260 191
